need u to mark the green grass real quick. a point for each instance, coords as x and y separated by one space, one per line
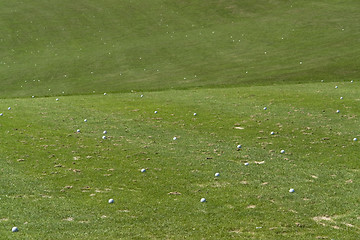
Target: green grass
224 60
320 163
97 45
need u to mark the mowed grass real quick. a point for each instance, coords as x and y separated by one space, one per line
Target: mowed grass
225 61
56 182
50 48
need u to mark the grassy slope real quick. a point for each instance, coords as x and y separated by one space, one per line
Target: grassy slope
97 45
41 41
320 163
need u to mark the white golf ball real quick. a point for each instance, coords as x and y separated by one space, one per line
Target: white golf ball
272 133
341 98
143 170
141 95
105 132
291 190
104 93
104 137
14 229
337 111
355 139
1 114
265 108
9 108
336 86
57 99
32 96
238 146
202 200
111 200
174 138
282 151
352 81
195 114
85 120
78 130
217 174
246 164
155 112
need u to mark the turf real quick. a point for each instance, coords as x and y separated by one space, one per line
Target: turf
224 61
58 181
118 46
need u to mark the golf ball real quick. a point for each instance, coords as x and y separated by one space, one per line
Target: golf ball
174 138
291 190
57 99
85 120
195 114
246 164
217 174
14 229
9 108
272 133
336 86
352 81
141 95
143 170
155 112
265 108
282 151
104 137
355 139
238 146
105 132
111 200
341 98
1 114
32 96
202 200
104 93
337 111
78 130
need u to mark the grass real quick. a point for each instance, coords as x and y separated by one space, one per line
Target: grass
118 46
61 187
225 61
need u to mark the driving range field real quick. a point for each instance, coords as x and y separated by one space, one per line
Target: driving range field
179 119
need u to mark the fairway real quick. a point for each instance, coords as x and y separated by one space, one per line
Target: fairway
119 46
58 181
179 119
